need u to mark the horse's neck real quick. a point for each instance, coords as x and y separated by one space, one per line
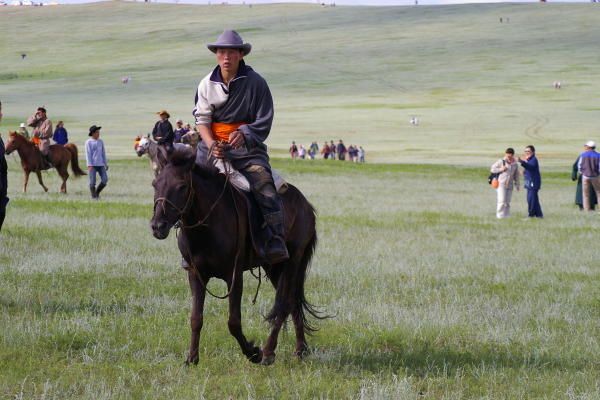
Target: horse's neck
210 195
25 148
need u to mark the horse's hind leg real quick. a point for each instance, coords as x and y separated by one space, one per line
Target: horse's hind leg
281 309
64 175
39 175
197 316
251 351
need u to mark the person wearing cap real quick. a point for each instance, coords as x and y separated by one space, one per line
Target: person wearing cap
589 168
60 134
163 130
234 113
23 131
180 130
42 131
95 156
576 177
533 182
3 178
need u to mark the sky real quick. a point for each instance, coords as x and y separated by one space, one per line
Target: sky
337 2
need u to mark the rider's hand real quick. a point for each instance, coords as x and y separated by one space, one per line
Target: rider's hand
236 139
217 150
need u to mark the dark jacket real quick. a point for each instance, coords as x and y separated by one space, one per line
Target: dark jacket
3 174
163 132
60 136
533 179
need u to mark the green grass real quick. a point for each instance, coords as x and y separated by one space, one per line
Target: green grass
431 296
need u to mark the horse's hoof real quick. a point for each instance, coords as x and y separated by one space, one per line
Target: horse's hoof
192 361
268 360
302 352
257 357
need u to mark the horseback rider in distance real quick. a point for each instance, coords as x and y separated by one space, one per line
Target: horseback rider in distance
234 114
41 134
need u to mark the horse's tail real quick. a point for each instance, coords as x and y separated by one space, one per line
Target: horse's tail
74 159
290 295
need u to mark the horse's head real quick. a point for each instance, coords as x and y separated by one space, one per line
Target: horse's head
141 146
173 192
13 142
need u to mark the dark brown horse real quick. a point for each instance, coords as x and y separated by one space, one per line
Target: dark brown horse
31 159
215 241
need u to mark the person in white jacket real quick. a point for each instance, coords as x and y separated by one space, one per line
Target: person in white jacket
508 178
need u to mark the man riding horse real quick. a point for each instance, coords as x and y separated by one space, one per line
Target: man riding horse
234 113
42 133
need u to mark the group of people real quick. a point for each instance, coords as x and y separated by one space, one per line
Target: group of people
586 171
507 169
329 151
164 134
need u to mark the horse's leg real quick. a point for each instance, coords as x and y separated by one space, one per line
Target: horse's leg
234 323
280 311
197 316
25 180
64 175
39 175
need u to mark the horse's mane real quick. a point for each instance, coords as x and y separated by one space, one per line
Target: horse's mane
185 159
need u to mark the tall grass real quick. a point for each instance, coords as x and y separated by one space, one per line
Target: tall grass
432 297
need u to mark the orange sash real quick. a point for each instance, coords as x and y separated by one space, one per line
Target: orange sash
36 140
221 130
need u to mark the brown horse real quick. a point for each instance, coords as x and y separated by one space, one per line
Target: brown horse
31 159
215 241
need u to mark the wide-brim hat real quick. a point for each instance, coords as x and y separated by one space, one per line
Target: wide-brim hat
591 144
22 125
93 129
165 113
230 40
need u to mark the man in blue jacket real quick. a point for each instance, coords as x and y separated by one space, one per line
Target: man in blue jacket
533 182
589 168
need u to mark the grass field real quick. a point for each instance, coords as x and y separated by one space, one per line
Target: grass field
432 297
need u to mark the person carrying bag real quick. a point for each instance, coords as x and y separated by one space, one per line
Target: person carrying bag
507 171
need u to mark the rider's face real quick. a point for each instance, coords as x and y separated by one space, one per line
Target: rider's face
229 60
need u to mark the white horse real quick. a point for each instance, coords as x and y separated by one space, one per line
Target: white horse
150 147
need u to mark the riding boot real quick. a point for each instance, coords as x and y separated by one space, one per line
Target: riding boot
276 250
99 189
93 192
46 163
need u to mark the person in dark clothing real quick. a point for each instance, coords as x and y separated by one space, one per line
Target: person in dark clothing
234 113
341 150
180 131
163 130
60 134
588 165
3 179
576 176
533 182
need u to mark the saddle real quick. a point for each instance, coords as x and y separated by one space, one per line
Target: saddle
258 230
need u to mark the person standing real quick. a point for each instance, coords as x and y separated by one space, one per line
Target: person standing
42 131
60 134
533 182
589 168
293 150
95 156
179 132
576 176
313 150
508 178
3 178
341 150
163 130
234 113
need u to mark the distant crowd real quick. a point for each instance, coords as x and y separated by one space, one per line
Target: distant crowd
329 151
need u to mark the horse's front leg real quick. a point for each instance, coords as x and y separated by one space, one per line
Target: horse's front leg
197 316
39 175
236 288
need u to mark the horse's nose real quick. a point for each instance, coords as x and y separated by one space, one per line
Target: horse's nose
159 229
